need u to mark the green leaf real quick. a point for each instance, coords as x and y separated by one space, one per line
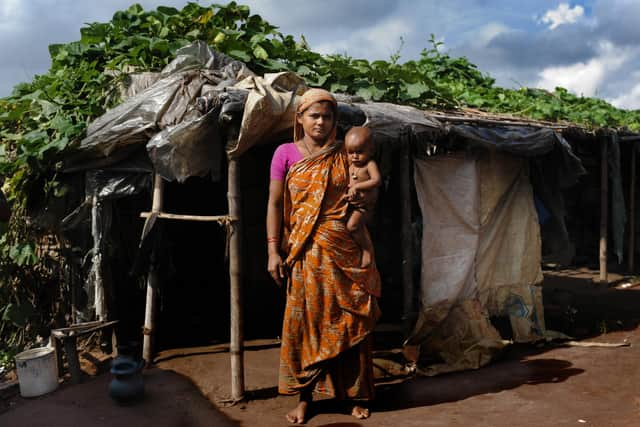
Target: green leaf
371 93
206 17
193 34
338 87
303 71
416 90
260 53
135 9
23 254
241 55
219 38
168 10
159 45
18 314
95 33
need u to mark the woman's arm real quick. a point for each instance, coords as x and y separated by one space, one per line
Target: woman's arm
274 226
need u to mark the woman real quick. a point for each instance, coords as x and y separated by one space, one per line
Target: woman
331 304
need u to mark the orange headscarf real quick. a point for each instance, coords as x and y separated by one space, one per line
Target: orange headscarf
309 98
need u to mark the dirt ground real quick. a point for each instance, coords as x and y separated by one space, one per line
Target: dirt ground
548 384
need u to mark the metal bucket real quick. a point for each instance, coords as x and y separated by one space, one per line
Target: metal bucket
37 371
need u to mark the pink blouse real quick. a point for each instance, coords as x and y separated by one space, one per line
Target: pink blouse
283 158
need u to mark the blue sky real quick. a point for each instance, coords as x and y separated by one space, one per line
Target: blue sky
590 47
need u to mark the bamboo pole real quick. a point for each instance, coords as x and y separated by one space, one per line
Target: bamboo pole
235 282
501 122
203 218
406 230
632 210
604 198
152 281
96 267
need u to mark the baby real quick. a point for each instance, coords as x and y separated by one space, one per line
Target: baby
364 180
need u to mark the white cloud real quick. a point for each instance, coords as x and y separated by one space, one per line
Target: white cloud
488 32
563 14
9 9
585 78
629 100
377 42
11 12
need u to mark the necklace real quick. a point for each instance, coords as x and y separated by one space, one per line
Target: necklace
354 172
306 147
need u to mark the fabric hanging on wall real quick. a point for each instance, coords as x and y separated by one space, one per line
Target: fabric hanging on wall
480 257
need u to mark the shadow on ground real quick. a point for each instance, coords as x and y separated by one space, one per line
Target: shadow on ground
494 378
580 307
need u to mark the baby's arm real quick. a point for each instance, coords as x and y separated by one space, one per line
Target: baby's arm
375 178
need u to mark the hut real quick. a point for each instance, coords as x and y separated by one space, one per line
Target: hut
173 185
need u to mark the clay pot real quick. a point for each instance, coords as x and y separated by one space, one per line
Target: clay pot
127 384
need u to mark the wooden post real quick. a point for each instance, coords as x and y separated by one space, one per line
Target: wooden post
406 230
70 349
632 210
96 268
235 282
152 282
604 204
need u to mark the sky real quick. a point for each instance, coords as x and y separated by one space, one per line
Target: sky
591 47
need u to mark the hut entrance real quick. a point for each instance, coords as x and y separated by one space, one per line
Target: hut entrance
193 293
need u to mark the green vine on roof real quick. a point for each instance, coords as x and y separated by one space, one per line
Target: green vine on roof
48 115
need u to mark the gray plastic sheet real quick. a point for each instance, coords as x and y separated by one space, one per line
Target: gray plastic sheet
388 120
174 109
187 149
554 168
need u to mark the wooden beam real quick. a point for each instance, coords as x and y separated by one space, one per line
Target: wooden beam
152 281
499 122
235 282
406 230
630 138
632 210
604 205
211 218
99 302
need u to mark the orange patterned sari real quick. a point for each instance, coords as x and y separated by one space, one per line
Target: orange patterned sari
331 305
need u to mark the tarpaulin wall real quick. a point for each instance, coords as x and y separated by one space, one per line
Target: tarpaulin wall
480 257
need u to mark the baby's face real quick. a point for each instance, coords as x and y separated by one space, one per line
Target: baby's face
358 151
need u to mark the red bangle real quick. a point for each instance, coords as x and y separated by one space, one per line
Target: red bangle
272 240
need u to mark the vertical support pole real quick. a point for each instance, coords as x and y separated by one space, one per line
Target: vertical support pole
71 350
96 267
152 282
632 210
406 230
235 282
604 205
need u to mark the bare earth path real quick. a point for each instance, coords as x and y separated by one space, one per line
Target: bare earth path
528 386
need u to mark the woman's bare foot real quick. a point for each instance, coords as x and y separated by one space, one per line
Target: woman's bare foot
366 258
359 412
298 414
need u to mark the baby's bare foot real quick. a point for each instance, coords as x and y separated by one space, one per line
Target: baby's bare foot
359 412
298 414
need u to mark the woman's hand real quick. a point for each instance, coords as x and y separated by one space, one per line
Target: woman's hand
275 266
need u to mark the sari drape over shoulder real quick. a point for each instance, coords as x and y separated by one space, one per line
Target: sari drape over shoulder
331 305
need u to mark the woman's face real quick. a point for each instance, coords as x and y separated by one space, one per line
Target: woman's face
317 121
